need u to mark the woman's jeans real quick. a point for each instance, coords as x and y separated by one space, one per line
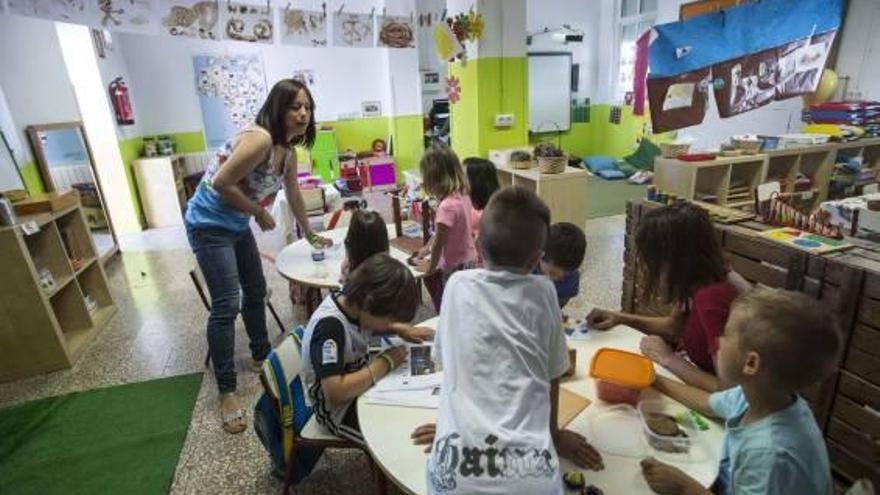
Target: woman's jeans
233 272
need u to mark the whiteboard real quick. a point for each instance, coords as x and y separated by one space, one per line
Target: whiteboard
549 92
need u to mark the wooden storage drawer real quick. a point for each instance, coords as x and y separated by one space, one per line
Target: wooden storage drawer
850 465
866 366
860 416
861 444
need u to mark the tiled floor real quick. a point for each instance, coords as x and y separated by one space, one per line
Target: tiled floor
159 331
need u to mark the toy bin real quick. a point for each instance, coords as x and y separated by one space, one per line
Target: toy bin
621 376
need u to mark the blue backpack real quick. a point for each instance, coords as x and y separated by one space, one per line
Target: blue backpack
276 432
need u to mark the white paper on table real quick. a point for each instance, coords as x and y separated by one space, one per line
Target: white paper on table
402 388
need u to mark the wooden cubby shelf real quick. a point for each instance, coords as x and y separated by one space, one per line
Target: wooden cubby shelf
40 330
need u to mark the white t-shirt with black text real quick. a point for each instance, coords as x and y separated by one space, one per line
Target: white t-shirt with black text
500 344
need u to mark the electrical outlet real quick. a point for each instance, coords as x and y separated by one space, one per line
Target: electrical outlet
504 120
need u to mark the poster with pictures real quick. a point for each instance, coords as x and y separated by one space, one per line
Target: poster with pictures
191 18
353 30
73 11
396 32
231 89
801 64
246 22
303 27
371 108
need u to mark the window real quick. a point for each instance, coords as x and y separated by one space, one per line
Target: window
636 17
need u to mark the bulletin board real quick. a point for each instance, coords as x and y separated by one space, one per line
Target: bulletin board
549 91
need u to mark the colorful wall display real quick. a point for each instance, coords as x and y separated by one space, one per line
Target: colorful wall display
120 15
353 30
246 22
231 89
303 27
191 18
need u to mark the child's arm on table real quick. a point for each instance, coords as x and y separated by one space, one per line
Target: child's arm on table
690 396
339 389
438 242
664 326
656 349
411 333
569 444
668 480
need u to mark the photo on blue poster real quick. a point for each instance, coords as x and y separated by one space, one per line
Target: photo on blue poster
231 89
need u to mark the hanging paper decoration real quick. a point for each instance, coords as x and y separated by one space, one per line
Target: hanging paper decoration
73 11
353 30
752 55
447 45
117 15
476 24
192 19
396 32
244 22
303 27
453 89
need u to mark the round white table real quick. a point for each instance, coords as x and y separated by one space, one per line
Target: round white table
387 429
295 263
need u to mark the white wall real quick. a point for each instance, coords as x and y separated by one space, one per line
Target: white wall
34 77
428 59
163 87
112 66
859 56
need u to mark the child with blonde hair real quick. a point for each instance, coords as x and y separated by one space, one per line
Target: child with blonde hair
452 247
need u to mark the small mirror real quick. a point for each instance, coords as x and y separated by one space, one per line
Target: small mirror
65 160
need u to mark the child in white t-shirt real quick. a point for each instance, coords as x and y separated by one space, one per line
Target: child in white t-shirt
502 352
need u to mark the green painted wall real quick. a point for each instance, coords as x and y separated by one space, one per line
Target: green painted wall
189 142
32 180
408 133
489 86
130 149
358 134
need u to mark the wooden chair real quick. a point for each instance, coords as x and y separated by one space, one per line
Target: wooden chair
198 281
312 434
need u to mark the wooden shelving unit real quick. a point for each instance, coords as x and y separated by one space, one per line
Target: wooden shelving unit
565 193
46 330
723 181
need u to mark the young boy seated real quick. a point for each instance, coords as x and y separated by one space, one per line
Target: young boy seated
563 256
337 369
775 344
502 352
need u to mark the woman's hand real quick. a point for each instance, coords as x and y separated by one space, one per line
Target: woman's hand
602 319
264 220
318 241
656 349
424 435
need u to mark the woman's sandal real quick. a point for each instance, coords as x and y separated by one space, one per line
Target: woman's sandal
233 421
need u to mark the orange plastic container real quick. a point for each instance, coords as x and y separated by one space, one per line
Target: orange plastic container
621 375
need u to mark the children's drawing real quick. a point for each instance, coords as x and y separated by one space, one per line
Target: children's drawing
127 15
396 32
353 30
243 22
303 27
231 89
74 11
193 19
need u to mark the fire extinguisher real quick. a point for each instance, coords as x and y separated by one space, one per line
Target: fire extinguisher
121 102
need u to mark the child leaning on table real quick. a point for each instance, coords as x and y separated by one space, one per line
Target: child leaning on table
337 368
775 344
502 352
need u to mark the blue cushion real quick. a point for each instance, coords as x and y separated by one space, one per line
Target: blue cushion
611 174
598 163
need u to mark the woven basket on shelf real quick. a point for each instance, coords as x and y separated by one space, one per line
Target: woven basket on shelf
748 146
520 164
672 150
552 164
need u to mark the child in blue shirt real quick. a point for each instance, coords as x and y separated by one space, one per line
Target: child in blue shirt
563 256
775 344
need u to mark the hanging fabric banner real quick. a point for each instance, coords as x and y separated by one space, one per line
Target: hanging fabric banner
678 101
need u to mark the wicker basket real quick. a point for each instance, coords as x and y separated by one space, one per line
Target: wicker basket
552 164
520 164
747 146
672 150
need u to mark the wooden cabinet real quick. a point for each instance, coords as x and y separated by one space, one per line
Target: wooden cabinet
44 327
161 189
565 193
723 181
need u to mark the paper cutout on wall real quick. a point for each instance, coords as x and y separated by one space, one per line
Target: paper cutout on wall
453 89
446 43
191 18
678 101
244 22
396 32
231 89
303 27
73 11
353 30
128 15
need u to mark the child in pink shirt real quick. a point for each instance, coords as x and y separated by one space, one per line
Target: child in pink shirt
452 247
483 182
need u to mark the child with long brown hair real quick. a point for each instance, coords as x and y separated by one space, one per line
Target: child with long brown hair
452 247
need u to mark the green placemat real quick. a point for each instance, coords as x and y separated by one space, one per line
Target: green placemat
124 439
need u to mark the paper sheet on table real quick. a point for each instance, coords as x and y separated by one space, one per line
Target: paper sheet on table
413 384
570 405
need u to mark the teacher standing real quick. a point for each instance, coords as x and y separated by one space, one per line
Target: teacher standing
251 166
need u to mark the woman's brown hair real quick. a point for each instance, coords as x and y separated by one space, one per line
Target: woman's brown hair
272 115
442 173
679 252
